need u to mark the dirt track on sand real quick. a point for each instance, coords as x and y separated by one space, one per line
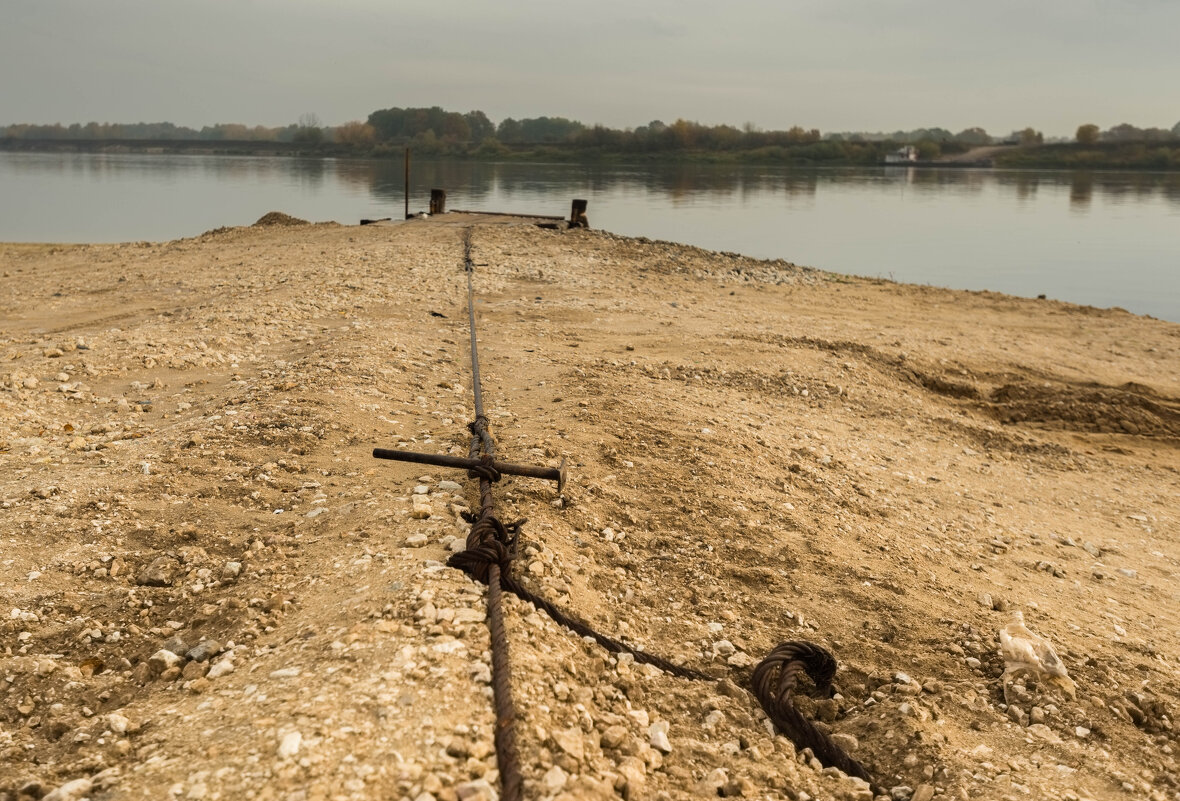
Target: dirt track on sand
211 591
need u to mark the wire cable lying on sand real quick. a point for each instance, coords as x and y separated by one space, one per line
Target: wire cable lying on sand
490 550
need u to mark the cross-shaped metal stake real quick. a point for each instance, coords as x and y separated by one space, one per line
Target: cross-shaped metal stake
557 474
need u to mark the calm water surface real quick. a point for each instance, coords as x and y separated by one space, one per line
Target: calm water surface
1104 239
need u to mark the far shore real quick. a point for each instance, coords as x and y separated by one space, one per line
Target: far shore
1134 156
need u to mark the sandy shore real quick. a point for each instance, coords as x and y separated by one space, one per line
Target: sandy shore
211 591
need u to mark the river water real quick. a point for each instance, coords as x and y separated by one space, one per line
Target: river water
1102 239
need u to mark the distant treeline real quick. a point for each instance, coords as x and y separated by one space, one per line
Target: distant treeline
435 131
222 132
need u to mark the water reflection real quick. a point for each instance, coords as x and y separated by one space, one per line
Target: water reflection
479 181
1081 190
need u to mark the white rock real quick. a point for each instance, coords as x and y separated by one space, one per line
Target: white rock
289 745
117 723
658 732
554 779
220 668
71 791
478 790
163 659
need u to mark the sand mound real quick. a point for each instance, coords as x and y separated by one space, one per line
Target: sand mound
278 218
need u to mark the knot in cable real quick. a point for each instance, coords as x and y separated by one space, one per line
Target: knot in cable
490 542
476 562
486 470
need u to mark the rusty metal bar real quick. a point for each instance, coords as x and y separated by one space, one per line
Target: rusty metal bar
511 214
557 474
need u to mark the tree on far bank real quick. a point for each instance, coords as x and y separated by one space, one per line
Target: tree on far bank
973 136
1030 136
309 131
355 134
1087 134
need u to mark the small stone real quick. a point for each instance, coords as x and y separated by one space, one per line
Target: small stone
447 485
714 718
176 645
117 723
231 570
478 790
221 668
421 511
658 734
554 779
972 662
71 791
195 670
710 786
161 660
985 600
421 489
417 540
158 574
634 772
723 647
32 789
1081 731
640 716
848 742
289 745
204 651
613 736
923 792
570 741
901 792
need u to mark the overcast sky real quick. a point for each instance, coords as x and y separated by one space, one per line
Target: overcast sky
836 65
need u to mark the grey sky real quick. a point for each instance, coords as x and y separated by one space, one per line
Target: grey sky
833 65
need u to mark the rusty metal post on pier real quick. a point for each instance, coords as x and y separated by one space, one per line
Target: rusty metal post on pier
578 217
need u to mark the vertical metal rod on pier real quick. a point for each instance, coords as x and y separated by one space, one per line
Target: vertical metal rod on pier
407 184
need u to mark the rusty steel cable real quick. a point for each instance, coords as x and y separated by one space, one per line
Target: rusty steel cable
488 552
775 679
490 549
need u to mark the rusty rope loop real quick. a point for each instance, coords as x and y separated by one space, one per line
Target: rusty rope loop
775 679
491 548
